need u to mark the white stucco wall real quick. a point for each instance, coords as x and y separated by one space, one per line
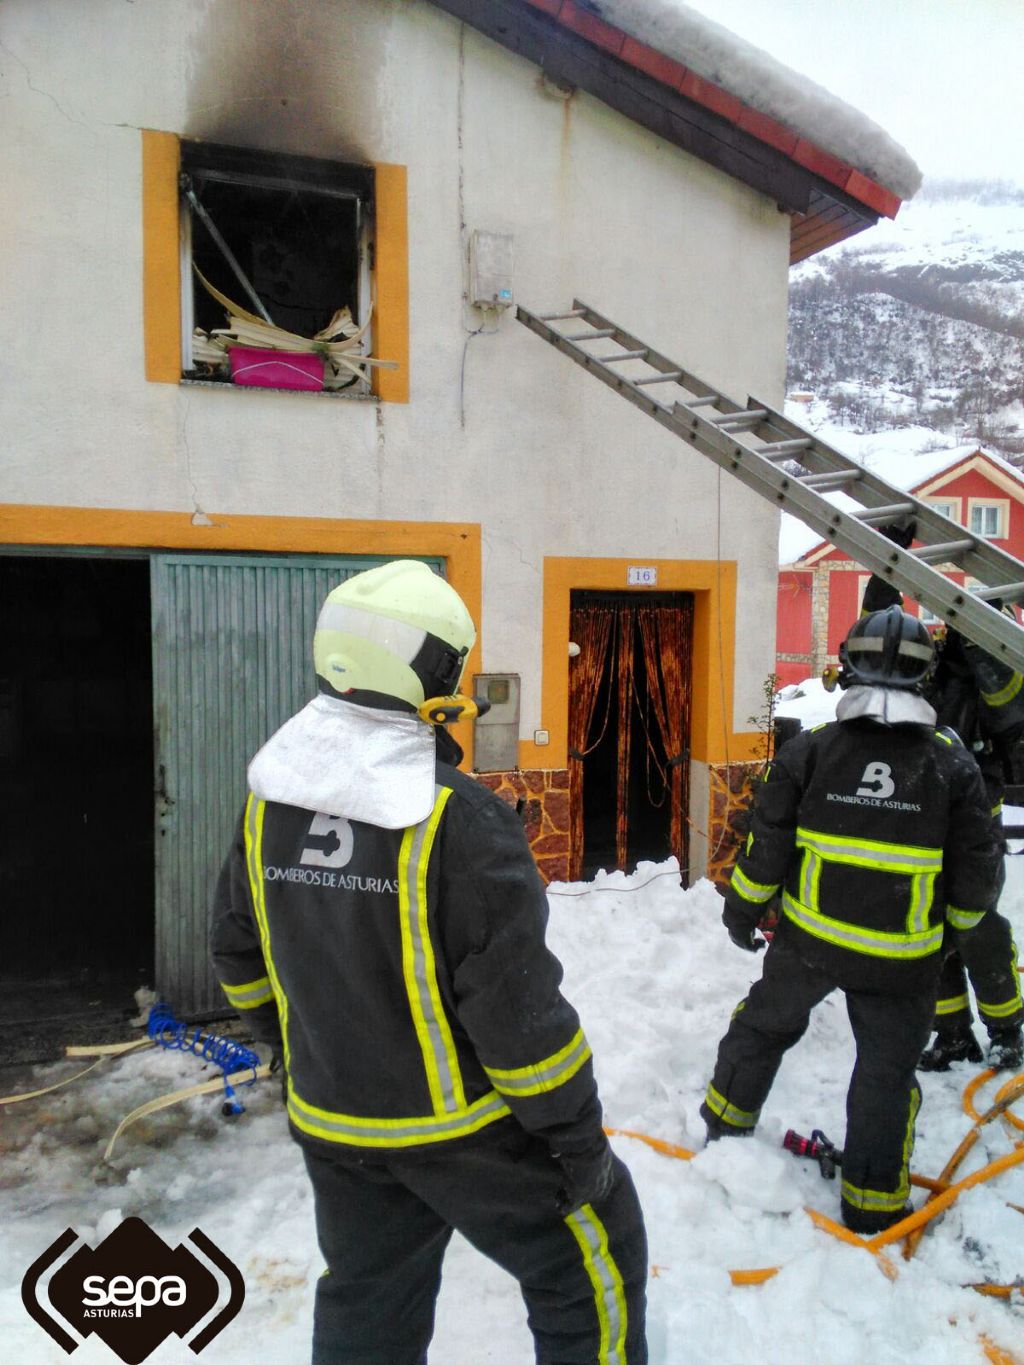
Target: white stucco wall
544 457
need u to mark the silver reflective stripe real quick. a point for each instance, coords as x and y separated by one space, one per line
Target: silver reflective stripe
874 644
398 637
533 1080
878 856
953 1004
923 889
755 892
379 1132
604 1275
963 919
809 876
249 996
421 979
875 943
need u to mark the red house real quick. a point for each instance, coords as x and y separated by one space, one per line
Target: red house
820 592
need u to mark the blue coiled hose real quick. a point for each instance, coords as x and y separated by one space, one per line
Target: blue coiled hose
170 1033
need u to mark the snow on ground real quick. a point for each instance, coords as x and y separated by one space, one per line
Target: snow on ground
655 979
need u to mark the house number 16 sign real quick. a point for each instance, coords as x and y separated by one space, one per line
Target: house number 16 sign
641 576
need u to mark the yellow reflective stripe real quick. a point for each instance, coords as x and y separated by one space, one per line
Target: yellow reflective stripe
1006 693
810 877
359 1130
871 853
444 1079
873 942
946 739
874 1201
889 1201
727 1112
1010 1006
997 809
254 813
542 1076
250 995
756 892
963 919
921 894
604 1276
952 1004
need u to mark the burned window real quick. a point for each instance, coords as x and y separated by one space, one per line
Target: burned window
276 253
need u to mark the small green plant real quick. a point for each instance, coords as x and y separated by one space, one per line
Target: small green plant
764 721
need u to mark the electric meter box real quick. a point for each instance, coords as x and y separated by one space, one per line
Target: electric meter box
490 270
496 735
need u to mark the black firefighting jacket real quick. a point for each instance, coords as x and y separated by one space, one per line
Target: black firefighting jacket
873 834
405 972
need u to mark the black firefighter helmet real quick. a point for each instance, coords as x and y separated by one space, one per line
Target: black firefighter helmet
889 648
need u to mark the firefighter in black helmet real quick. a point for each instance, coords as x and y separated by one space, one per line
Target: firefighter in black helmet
982 699
875 832
381 921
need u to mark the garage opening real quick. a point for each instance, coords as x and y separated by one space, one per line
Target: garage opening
629 727
76 788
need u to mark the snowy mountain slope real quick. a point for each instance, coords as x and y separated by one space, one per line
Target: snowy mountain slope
921 319
655 979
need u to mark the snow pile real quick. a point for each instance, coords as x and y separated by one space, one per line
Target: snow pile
767 85
655 979
808 702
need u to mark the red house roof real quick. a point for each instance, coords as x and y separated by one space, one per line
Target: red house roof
828 198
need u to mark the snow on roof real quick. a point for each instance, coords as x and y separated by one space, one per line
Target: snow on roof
766 85
895 456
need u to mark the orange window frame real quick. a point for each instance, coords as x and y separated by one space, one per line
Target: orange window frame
161 268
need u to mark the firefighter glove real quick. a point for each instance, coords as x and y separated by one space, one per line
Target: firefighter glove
588 1176
741 928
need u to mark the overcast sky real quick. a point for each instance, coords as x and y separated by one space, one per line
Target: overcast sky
944 77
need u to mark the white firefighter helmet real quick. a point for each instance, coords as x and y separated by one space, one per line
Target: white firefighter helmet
397 632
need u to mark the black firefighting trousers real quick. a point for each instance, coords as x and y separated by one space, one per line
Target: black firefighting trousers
883 1098
384 1221
988 955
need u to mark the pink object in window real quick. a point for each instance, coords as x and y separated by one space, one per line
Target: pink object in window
276 369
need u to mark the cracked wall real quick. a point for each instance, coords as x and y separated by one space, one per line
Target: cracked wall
500 430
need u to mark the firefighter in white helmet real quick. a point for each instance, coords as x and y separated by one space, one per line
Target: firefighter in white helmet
380 920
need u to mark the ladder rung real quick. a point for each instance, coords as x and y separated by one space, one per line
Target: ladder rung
671 377
752 415
590 336
707 399
777 449
831 478
873 516
624 355
557 317
1008 592
947 549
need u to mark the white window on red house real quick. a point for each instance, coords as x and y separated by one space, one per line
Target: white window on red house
986 519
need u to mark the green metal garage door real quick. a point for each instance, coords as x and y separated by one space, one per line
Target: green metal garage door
232 660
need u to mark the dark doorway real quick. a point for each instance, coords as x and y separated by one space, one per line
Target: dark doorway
629 715
76 787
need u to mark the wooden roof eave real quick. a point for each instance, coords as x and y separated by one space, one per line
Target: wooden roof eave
822 213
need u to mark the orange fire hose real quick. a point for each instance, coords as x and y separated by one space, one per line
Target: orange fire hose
942 1193
1007 1095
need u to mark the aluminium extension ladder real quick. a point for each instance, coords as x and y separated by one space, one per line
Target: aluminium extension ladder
793 469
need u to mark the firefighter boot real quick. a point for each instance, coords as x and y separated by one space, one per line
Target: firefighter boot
953 1045
1006 1049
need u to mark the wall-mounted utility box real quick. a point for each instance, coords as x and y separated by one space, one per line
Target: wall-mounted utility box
490 270
496 735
